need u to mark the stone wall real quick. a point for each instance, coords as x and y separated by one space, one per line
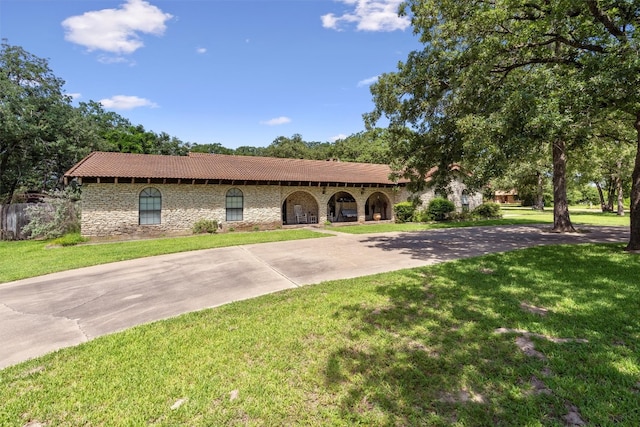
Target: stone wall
111 210
455 194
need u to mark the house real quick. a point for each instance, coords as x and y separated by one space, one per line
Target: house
140 194
510 196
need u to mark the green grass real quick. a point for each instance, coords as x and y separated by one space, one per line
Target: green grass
579 216
415 347
511 216
387 227
70 239
22 259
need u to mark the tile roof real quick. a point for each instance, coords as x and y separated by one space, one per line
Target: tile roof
227 167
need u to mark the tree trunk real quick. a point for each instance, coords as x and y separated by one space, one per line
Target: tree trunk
619 189
561 219
634 238
539 205
601 194
611 193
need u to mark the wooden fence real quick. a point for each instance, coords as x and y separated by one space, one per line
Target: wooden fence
13 218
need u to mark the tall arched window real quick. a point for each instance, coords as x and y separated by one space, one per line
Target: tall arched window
234 205
150 206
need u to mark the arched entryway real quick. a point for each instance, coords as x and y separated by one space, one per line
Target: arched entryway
342 207
378 207
300 207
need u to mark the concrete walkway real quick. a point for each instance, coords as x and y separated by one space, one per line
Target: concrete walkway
46 313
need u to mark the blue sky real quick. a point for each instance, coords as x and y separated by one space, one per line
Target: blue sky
234 72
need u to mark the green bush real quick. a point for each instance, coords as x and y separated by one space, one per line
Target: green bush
69 239
421 215
440 208
461 216
55 218
488 210
404 211
205 226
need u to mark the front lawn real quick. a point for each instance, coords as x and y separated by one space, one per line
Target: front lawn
388 227
579 216
542 336
511 216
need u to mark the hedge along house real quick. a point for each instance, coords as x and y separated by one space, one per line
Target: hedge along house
140 194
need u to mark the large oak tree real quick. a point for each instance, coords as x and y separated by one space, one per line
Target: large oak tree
33 108
42 135
497 77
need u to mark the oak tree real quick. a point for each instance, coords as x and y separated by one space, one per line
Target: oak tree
574 60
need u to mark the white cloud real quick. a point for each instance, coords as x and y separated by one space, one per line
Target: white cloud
368 15
124 102
367 82
337 137
277 121
116 30
201 50
108 59
75 95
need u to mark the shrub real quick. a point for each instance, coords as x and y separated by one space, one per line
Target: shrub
55 218
404 211
205 226
488 210
461 216
421 216
440 208
69 239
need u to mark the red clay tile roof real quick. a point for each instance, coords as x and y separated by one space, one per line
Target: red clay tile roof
225 167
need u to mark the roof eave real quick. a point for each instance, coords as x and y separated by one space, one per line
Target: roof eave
184 180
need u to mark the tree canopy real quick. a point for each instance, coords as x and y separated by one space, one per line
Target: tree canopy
42 134
32 108
496 79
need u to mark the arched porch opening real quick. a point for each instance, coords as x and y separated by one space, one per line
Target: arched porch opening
342 207
378 207
300 207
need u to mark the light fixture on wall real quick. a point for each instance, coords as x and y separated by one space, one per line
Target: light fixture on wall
324 190
361 190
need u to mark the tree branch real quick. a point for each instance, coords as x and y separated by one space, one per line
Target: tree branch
508 68
578 45
604 20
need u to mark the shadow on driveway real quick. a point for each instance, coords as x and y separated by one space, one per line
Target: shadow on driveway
453 243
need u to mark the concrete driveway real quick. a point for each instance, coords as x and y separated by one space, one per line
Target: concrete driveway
46 313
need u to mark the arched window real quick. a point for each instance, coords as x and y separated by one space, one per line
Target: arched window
150 206
464 199
234 205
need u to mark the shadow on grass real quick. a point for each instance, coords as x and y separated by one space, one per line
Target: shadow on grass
431 354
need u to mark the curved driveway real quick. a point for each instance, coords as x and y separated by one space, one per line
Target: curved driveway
58 310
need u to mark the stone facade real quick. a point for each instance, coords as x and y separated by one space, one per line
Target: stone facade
458 194
112 209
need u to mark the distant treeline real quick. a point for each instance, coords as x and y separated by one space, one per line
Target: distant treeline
365 147
42 134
